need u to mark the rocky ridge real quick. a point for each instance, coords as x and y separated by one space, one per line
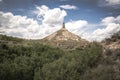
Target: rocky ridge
65 39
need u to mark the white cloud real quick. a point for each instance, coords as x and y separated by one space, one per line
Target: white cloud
41 10
77 27
0 0
111 26
51 17
95 32
109 3
108 20
68 6
113 2
101 34
21 26
111 19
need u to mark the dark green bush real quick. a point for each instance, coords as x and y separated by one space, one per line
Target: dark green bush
34 61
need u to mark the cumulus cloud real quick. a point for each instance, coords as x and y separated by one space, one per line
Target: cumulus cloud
95 32
113 2
68 6
111 26
21 26
51 20
110 3
51 17
111 19
77 27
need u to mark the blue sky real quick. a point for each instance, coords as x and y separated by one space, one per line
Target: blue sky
86 9
84 16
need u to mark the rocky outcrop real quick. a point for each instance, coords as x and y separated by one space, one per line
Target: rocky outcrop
65 39
113 42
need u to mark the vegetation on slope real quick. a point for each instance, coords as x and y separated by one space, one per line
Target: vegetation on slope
114 38
112 52
34 61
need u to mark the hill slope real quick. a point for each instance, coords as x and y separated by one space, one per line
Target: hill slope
65 39
112 51
113 42
30 60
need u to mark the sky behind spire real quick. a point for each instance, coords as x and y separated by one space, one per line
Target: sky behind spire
35 19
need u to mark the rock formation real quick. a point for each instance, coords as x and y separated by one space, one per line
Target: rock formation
65 39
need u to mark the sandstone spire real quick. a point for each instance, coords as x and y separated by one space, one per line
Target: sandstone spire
65 39
63 26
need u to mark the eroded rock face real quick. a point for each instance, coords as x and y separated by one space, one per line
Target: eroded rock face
113 42
65 39
111 51
114 45
63 34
